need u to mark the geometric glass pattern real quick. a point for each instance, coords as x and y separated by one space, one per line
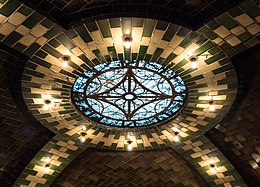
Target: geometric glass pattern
129 94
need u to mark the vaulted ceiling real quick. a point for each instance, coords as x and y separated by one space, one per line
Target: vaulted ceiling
223 34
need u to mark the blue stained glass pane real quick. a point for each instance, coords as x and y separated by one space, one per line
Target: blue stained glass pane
129 93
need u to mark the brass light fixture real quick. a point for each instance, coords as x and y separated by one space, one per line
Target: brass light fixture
47 104
47 167
83 138
127 41
176 137
211 106
193 59
129 146
65 60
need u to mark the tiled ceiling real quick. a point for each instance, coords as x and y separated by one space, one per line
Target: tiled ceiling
110 169
91 33
190 13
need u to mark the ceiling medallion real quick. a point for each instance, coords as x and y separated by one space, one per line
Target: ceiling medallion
129 94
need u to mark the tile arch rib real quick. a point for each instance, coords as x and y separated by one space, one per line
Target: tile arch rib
199 153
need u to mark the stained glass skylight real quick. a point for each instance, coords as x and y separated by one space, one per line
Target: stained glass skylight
129 93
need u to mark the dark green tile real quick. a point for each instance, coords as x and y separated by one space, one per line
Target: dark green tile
114 22
148 28
62 38
170 32
142 52
252 42
244 36
138 22
205 31
86 60
55 30
9 7
47 23
12 38
127 53
83 33
68 74
54 43
169 59
32 49
236 11
34 73
32 20
250 8
204 48
19 47
183 32
134 56
215 58
180 64
25 10
50 50
157 54
104 28
99 55
223 69
22 181
40 62
213 24
161 25
41 54
92 26
227 21
240 47
112 52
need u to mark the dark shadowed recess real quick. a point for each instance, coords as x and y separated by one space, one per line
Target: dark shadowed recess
21 135
161 168
189 13
238 134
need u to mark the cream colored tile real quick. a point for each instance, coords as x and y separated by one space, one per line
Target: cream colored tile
238 30
244 20
27 40
97 37
22 30
175 41
17 18
222 31
2 18
7 28
254 29
39 30
157 36
41 41
232 40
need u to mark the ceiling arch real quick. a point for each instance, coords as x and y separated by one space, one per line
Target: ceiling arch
153 168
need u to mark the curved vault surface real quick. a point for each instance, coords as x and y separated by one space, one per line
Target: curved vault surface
93 43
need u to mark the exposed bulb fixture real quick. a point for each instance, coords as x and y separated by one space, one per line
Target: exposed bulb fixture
129 146
83 138
193 59
211 106
127 41
212 168
176 137
84 128
64 60
47 104
47 167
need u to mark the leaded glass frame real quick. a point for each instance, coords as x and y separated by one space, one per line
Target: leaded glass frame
129 94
